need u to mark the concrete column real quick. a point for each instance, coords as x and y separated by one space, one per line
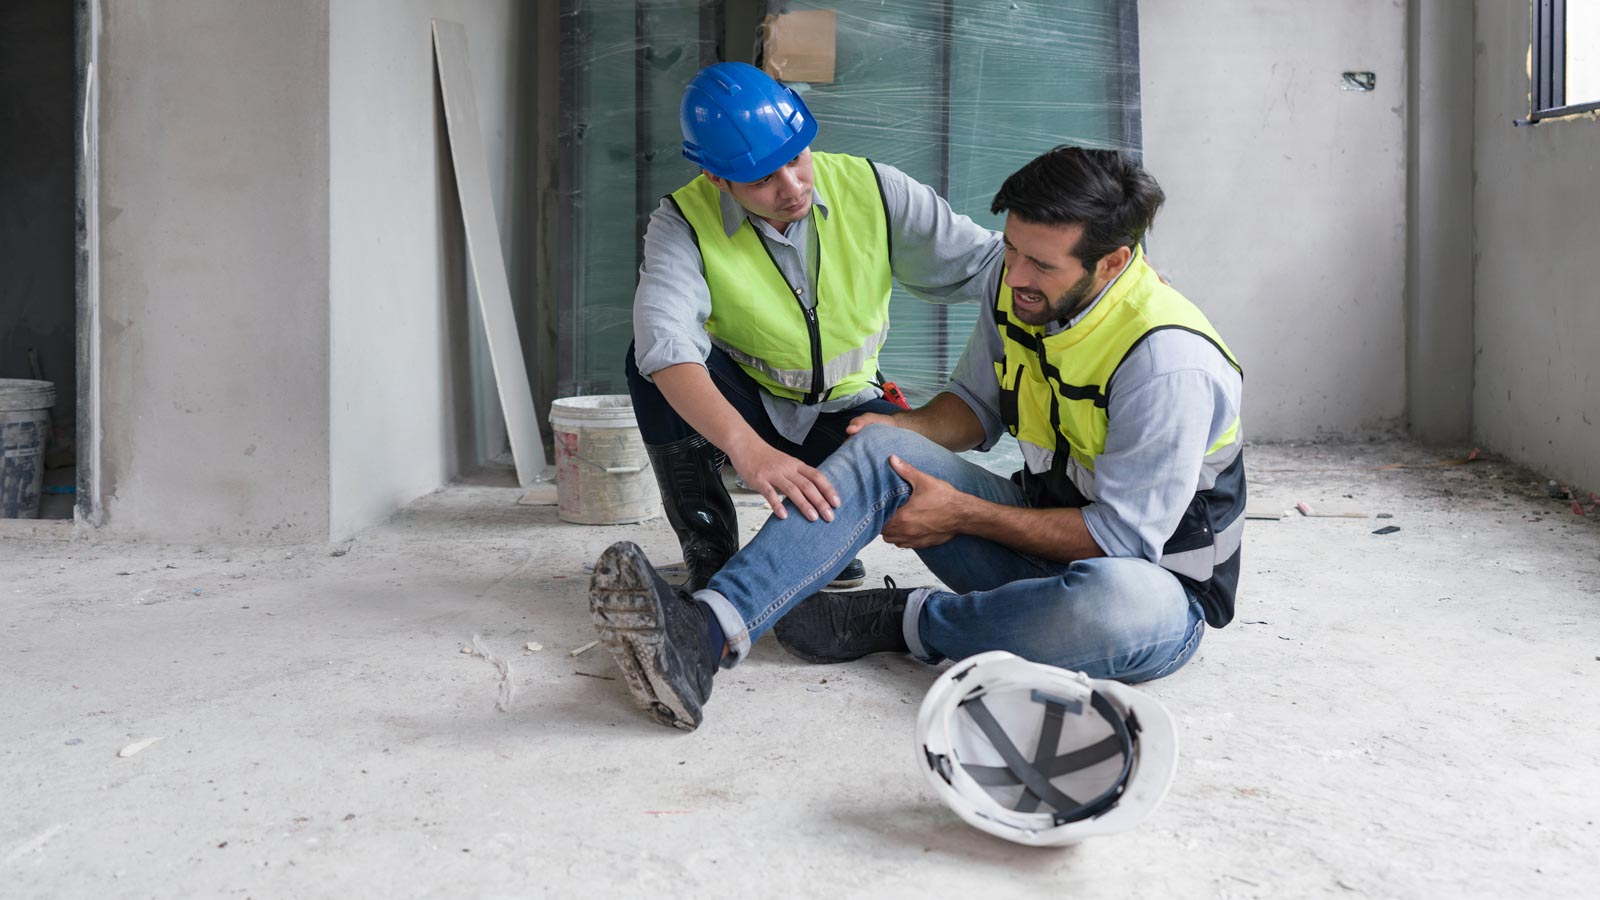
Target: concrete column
214 268
1439 187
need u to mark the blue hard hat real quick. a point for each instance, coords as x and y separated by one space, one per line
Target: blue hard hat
741 125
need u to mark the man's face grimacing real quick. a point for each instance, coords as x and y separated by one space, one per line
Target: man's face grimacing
1047 281
780 198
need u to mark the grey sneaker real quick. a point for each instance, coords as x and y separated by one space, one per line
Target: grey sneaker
839 627
657 633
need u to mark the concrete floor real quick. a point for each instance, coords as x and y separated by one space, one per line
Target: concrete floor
1408 715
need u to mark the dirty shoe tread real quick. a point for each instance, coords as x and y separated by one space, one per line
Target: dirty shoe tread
634 613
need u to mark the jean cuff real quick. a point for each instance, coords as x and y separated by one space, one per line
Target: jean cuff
911 624
733 627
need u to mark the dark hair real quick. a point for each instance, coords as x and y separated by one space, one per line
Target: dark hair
1105 191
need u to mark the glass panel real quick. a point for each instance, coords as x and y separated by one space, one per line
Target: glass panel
627 62
1583 52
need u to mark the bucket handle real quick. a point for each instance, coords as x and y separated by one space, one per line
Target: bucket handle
609 470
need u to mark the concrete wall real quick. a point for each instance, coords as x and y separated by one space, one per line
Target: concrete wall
1287 197
1439 229
214 268
1537 384
38 117
413 396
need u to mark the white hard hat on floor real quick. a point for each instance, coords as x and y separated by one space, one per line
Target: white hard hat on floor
1041 755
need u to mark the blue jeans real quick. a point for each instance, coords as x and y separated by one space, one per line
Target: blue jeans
1120 618
660 424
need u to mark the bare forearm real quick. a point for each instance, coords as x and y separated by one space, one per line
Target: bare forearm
1054 534
693 395
946 420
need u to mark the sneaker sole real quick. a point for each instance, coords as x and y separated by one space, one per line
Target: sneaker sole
622 602
845 584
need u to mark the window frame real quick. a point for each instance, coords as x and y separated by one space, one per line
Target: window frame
1549 94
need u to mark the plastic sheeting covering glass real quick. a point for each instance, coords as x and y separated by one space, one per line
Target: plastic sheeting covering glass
956 93
624 65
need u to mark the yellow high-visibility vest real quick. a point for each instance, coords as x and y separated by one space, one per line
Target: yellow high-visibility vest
1054 394
808 355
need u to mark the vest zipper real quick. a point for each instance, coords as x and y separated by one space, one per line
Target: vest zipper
810 313
816 351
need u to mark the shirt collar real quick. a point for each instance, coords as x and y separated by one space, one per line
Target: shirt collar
734 215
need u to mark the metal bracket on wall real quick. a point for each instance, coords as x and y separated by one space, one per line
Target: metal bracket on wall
1365 82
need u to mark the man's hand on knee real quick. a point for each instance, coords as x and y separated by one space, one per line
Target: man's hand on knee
776 475
930 517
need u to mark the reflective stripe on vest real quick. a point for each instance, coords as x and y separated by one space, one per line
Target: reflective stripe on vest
1054 394
757 317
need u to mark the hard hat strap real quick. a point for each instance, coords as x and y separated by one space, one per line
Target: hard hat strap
1035 775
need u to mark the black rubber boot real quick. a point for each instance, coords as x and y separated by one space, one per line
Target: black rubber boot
830 627
657 633
688 472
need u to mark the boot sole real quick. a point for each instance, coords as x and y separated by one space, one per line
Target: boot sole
628 617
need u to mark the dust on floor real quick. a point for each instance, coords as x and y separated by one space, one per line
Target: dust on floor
1412 714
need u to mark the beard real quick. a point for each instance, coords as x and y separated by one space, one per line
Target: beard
1063 307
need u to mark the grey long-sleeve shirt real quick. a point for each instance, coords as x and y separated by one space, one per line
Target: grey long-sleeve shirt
1170 401
936 254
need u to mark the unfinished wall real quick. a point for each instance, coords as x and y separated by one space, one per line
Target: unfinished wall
1537 383
412 392
1286 213
214 268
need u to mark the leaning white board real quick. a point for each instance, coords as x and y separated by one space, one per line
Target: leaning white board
483 249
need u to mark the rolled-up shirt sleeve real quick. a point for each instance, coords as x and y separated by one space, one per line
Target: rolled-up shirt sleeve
672 302
1160 428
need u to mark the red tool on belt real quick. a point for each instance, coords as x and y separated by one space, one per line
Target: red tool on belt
891 392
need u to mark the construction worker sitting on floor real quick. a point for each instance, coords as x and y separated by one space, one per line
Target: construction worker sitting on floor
1109 553
763 302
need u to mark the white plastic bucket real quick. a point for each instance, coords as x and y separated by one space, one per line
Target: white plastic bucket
24 427
603 472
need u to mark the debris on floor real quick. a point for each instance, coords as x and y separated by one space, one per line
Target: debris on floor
136 746
1306 510
503 702
1387 529
584 649
533 646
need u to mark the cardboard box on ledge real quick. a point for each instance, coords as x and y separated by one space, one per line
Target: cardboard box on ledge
799 45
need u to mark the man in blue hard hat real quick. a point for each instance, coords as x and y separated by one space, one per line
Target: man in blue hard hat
763 302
